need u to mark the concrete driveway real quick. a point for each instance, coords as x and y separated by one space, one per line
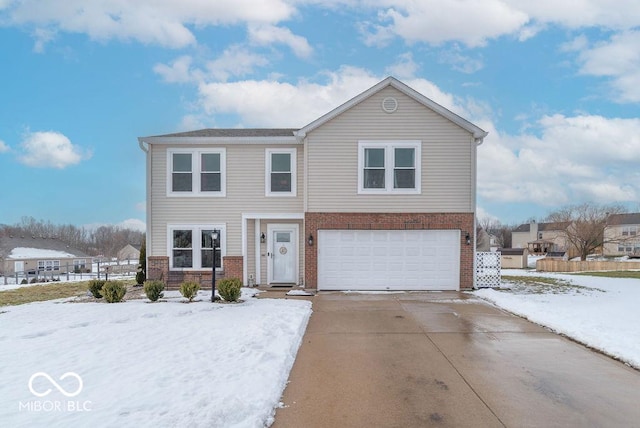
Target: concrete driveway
448 360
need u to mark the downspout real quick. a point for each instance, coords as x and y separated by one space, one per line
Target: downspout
478 140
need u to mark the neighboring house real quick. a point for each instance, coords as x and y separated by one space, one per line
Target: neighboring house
38 254
622 235
541 238
129 252
377 194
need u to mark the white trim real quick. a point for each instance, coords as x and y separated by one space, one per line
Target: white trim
196 171
277 216
389 147
258 249
267 172
196 256
271 227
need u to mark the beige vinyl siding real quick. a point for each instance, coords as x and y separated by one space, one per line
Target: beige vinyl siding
448 175
245 193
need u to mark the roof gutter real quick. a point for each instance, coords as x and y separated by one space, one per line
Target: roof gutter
142 143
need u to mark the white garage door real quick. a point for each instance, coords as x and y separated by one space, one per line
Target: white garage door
388 259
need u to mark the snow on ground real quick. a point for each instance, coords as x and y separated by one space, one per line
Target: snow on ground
147 364
599 312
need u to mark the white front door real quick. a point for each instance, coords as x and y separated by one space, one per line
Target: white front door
283 259
18 267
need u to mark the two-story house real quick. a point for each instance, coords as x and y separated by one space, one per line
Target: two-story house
541 238
377 194
622 235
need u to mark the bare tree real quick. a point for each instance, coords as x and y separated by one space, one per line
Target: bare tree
501 232
585 225
105 240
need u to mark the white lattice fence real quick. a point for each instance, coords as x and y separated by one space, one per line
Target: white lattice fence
488 269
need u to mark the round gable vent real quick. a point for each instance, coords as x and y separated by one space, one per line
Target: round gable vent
389 104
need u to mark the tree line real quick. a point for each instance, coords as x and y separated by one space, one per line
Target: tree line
103 241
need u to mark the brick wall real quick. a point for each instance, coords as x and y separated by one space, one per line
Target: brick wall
233 267
390 221
158 268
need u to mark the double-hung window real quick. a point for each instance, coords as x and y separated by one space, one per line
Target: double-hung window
389 167
196 172
193 247
280 172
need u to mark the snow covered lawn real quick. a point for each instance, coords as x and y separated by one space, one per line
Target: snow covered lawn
599 312
147 364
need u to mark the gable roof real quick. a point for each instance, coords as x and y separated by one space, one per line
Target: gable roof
236 135
622 219
35 246
477 132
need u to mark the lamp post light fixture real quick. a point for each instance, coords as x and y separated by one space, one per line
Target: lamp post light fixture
214 238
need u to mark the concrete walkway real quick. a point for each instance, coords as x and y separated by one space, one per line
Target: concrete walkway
447 360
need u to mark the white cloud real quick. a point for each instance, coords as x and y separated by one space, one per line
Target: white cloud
269 34
4 147
580 158
618 59
404 68
614 14
235 61
50 150
459 62
471 22
133 224
171 23
160 22
179 71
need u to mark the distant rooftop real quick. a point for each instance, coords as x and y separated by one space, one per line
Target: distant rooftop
526 227
620 219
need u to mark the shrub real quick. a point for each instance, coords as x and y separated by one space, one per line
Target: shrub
153 290
95 285
113 292
140 278
24 281
230 289
33 280
189 289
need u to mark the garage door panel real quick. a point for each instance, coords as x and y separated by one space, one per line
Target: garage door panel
384 260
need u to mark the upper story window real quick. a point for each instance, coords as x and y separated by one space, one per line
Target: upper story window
280 172
629 231
196 172
389 166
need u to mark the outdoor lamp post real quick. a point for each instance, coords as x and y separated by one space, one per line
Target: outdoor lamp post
214 238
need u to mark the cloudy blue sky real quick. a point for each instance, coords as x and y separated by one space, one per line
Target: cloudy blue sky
557 85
